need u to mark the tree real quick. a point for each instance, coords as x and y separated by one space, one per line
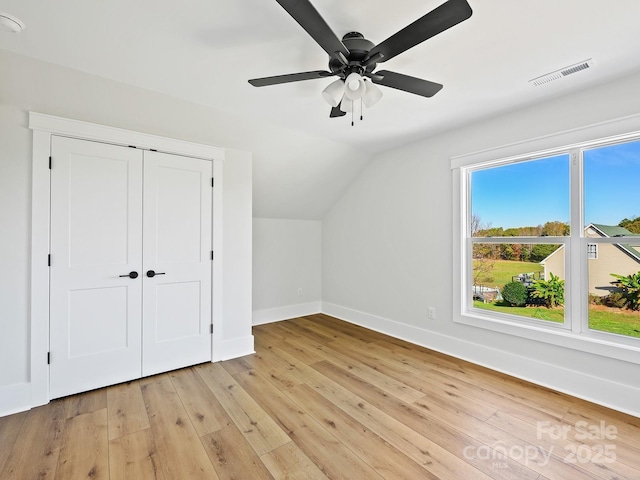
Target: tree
555 229
631 225
540 251
476 224
483 254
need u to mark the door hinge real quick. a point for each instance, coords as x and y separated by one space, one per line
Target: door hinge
211 328
212 182
48 358
50 160
49 260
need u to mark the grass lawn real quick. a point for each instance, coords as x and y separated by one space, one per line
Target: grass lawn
541 313
503 270
622 322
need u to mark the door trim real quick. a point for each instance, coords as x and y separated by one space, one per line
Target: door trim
44 127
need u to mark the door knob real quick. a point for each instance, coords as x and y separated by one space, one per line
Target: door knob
151 273
131 275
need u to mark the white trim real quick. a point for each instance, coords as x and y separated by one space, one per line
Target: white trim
621 128
592 342
580 337
269 315
102 133
15 398
39 326
624 398
234 348
44 126
217 311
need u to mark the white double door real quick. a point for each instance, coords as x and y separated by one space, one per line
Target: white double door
130 267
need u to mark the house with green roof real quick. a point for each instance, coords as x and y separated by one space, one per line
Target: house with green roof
603 258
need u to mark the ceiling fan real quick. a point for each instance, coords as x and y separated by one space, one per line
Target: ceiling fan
354 58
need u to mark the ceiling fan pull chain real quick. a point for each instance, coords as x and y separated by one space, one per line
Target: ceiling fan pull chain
361 110
352 113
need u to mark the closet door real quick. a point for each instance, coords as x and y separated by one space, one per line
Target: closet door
176 262
96 242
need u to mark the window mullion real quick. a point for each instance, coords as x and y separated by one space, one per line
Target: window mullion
575 311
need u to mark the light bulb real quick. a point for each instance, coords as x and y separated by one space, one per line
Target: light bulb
354 87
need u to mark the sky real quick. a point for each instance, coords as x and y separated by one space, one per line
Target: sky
533 193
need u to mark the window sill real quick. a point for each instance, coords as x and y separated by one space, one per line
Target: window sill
595 343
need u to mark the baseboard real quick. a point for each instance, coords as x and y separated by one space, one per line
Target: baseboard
624 398
15 398
234 348
270 315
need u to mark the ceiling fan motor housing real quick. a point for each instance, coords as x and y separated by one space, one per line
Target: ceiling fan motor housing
359 48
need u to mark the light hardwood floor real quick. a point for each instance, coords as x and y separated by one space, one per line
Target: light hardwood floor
322 399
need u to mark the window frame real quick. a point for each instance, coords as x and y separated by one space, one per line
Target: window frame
575 332
595 251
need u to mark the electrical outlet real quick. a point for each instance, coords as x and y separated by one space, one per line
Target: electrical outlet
299 292
432 313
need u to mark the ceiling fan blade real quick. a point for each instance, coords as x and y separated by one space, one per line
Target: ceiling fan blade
336 112
291 77
437 21
308 17
409 84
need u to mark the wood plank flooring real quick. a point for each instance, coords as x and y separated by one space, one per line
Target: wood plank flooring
322 399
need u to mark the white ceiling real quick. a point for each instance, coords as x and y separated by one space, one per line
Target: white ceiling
204 51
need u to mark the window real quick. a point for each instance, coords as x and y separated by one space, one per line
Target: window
550 243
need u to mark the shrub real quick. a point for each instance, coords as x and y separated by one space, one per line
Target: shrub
515 293
551 291
615 300
630 286
596 299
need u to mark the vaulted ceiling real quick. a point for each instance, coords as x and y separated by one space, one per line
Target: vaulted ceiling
204 51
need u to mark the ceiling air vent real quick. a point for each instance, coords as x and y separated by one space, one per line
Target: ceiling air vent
563 72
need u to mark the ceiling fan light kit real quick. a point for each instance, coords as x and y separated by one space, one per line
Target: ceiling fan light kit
372 95
354 57
333 93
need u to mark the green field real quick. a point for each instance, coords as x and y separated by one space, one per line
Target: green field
622 322
503 270
625 322
540 313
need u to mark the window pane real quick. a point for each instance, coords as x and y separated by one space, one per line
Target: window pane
519 279
611 179
521 199
614 288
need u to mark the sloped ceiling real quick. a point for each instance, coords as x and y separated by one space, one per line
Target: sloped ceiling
204 51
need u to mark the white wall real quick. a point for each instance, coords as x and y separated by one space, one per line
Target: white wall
387 250
236 262
29 85
286 268
295 175
15 227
